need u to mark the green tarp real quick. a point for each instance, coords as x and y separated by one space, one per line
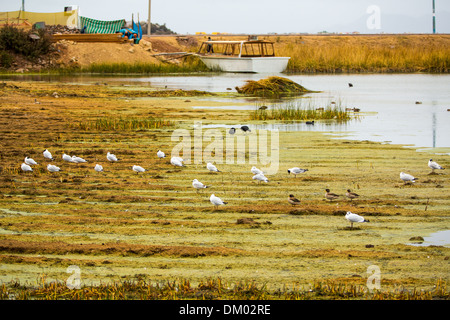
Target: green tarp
99 26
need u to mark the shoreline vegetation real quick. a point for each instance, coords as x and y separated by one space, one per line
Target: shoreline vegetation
309 54
367 54
297 111
327 54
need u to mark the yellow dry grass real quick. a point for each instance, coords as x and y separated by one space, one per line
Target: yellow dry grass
364 53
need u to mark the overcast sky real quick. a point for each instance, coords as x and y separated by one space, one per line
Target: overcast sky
262 16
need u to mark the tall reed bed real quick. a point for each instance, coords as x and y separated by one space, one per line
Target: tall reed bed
299 110
123 124
188 66
333 54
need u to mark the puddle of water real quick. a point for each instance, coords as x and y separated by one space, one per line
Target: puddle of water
21 213
440 238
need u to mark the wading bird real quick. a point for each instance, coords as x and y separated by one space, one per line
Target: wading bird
434 165
260 177
138 169
351 195
198 185
353 217
407 178
78 159
216 201
255 170
48 155
331 196
160 154
212 167
293 200
26 168
30 161
295 171
111 157
177 161
53 168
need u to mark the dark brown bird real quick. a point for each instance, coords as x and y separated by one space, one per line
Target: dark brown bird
293 200
351 195
331 196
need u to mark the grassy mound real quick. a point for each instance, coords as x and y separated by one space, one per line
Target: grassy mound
272 86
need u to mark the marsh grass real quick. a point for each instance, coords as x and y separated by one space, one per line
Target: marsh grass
297 110
190 66
119 226
123 124
211 289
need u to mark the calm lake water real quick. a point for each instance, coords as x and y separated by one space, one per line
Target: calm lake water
387 102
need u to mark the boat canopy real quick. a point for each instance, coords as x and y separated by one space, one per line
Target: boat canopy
244 48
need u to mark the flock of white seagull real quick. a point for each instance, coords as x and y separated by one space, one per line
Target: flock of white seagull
216 201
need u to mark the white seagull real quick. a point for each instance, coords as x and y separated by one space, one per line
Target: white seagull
160 154
212 167
198 185
53 168
255 170
216 201
260 177
48 155
111 157
30 161
179 158
67 158
98 168
353 217
407 177
177 161
434 165
138 169
296 171
78 159
25 167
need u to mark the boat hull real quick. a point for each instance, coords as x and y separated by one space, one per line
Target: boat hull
247 64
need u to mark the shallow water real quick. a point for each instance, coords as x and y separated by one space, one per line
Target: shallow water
387 102
440 238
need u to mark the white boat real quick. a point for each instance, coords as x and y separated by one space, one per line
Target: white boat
256 56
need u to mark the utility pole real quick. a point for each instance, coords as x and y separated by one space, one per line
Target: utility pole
434 18
149 24
23 5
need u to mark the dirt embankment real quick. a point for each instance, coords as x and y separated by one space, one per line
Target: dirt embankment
69 53
85 54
